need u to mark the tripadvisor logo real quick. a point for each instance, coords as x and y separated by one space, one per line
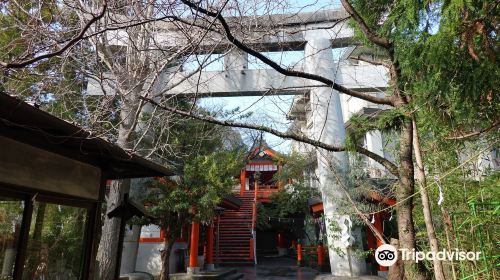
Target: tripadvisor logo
387 255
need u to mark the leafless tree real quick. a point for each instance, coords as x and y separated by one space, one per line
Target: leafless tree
126 49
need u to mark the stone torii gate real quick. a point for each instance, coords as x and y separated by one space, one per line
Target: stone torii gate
320 111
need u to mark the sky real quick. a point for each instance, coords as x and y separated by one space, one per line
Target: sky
269 110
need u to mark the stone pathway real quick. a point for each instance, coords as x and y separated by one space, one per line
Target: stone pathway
330 277
277 269
286 269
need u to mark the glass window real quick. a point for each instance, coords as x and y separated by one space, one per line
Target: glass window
55 247
11 215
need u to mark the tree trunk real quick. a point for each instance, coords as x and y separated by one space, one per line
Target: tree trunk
108 246
426 207
10 249
34 256
165 259
404 191
396 271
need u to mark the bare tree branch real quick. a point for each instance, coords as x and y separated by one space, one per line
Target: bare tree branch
73 41
286 72
463 135
371 61
230 123
398 97
391 167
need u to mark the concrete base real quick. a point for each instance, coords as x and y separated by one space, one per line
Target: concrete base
339 264
201 261
136 276
213 275
210 267
193 270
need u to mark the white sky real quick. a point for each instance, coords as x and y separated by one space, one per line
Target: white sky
269 110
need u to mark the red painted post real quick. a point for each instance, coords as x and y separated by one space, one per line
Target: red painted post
243 181
254 206
320 256
210 244
299 254
256 190
378 226
193 249
251 254
370 239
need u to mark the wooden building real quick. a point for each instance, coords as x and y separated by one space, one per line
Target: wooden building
238 231
52 186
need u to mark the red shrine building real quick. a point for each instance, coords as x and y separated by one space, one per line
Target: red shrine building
239 239
233 237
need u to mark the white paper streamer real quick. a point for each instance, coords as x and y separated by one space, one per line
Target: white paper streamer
373 219
441 196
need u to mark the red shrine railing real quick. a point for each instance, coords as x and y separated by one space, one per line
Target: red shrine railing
262 194
319 251
253 240
265 194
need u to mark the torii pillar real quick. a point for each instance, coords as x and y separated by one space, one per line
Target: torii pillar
328 127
